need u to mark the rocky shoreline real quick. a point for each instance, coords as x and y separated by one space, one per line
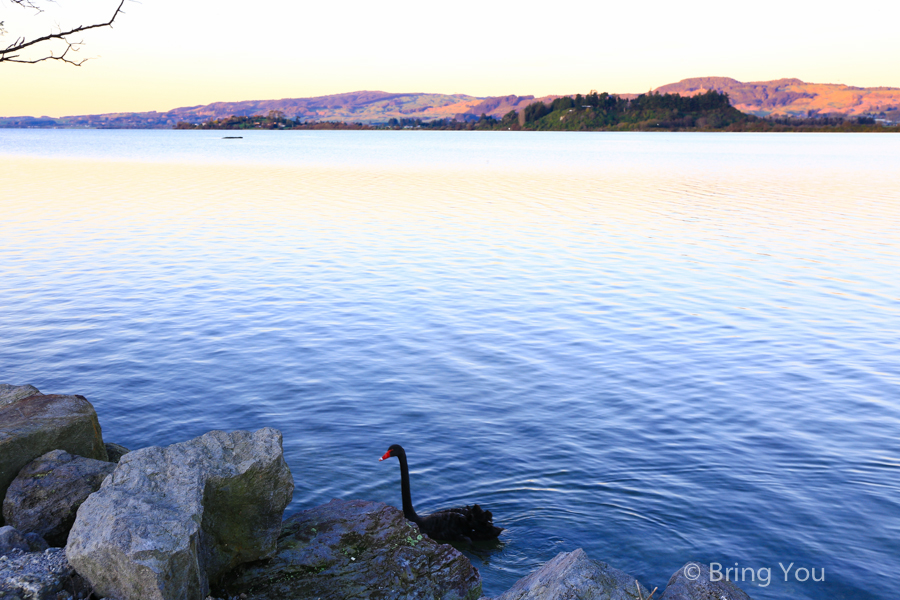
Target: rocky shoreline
202 519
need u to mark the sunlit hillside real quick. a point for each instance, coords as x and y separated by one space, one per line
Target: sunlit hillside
792 97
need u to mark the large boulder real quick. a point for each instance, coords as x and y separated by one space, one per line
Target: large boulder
694 581
170 520
573 575
356 549
45 495
35 425
40 576
10 393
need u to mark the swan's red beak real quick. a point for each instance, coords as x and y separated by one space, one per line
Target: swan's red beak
386 455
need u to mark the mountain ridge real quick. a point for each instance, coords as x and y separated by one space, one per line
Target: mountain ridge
791 97
788 97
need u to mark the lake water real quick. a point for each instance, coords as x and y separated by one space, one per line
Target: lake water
656 347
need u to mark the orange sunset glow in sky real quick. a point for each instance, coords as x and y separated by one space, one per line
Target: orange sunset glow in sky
163 54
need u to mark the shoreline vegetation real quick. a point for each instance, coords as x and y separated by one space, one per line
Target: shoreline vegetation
710 111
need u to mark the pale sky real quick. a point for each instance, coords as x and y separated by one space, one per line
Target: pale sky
163 54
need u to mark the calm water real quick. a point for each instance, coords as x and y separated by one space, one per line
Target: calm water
657 347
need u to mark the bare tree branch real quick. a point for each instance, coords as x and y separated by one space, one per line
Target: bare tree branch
28 4
12 52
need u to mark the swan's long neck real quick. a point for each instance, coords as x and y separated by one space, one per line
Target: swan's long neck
408 510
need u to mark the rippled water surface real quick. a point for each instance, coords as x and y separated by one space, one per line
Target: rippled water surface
656 347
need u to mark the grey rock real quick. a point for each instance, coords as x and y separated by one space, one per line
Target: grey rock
170 520
36 543
10 393
46 494
12 539
693 581
40 576
571 576
355 549
115 452
35 425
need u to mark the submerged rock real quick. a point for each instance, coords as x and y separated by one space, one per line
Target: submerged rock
170 520
40 576
572 575
356 549
115 452
694 582
46 494
35 425
10 393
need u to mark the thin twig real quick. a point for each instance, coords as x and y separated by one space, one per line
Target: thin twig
28 4
640 594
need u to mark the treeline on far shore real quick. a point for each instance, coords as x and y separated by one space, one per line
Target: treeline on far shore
711 111
274 120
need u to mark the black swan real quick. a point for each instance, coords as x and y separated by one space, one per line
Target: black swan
468 523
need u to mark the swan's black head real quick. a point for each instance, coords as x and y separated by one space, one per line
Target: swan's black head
395 450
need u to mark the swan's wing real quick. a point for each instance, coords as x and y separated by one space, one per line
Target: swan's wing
461 523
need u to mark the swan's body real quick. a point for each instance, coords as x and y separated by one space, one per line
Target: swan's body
467 523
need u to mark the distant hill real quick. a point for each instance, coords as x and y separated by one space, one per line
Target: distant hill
795 98
353 107
783 97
